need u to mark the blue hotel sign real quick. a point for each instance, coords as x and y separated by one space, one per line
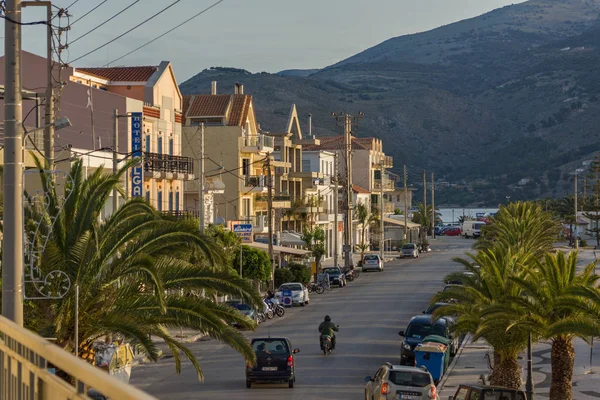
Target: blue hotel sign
137 178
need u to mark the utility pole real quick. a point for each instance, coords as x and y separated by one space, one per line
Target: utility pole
201 180
270 218
115 200
405 205
49 107
381 222
425 202
335 209
433 207
529 382
12 256
576 240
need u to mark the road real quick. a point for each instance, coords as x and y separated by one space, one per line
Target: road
370 312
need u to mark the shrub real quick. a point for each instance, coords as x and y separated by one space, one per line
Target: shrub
283 275
301 273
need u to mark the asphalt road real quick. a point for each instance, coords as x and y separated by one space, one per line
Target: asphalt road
370 312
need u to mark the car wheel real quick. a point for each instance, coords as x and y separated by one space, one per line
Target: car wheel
291 383
306 302
248 384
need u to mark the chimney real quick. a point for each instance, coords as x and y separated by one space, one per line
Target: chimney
213 87
238 88
310 126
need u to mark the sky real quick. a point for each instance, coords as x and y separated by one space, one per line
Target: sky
257 35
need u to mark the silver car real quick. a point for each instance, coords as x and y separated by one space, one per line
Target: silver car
401 382
372 261
409 250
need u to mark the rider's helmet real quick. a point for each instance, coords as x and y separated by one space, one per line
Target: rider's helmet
327 318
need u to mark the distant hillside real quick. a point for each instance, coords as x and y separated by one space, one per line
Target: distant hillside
508 95
297 72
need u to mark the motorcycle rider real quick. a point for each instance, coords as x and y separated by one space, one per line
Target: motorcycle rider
327 328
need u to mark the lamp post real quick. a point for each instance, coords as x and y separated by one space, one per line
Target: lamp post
529 383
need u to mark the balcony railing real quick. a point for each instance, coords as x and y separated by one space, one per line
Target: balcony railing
183 214
25 360
257 181
387 184
154 162
257 143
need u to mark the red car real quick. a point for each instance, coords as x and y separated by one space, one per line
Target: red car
455 231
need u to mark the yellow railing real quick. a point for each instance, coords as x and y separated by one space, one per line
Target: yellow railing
25 359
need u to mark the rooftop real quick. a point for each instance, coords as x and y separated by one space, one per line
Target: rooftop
121 74
234 107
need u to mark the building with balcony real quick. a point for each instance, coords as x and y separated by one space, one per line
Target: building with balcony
318 179
89 98
234 150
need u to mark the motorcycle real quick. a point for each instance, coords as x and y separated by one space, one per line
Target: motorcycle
349 273
275 306
315 287
326 344
268 310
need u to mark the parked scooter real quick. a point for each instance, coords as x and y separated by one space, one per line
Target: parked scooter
274 304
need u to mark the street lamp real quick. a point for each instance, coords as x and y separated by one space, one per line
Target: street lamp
507 199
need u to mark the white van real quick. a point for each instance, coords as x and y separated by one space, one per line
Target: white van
472 228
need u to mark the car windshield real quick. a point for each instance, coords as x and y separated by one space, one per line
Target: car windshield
434 307
410 246
371 257
331 271
409 378
478 226
269 346
295 286
420 331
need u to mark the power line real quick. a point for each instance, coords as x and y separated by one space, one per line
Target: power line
108 20
128 31
88 13
166 33
72 4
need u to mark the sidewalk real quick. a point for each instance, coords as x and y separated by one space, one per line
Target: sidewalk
470 363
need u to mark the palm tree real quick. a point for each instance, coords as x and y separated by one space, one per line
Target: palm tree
490 284
523 226
365 218
133 271
549 309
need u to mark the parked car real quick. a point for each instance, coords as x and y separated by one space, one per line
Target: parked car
372 261
476 392
244 309
435 306
274 362
336 276
452 231
472 228
418 328
299 293
409 250
400 382
459 279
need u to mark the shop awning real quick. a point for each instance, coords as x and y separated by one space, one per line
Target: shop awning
400 222
278 249
291 239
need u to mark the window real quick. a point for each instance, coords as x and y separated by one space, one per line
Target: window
270 346
420 331
176 201
409 378
148 196
377 174
170 200
170 147
160 200
305 165
245 207
148 143
245 166
159 150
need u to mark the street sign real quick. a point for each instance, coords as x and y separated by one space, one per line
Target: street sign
347 247
286 297
137 178
244 231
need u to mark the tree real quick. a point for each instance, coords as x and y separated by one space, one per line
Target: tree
315 242
423 217
549 310
365 218
255 264
133 271
593 207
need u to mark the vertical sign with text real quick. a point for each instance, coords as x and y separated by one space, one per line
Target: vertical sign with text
136 151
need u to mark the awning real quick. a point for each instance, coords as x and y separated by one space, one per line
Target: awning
278 249
291 239
394 221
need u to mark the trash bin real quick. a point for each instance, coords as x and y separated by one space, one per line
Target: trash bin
433 357
442 340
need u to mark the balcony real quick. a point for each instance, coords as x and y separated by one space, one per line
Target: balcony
183 214
256 144
388 162
280 200
25 370
260 224
255 184
388 185
164 166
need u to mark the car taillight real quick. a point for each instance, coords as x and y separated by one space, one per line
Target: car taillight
385 388
432 392
290 361
248 365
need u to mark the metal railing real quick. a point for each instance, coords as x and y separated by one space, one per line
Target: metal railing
183 214
258 141
25 359
154 162
255 181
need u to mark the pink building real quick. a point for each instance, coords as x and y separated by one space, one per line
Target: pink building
89 97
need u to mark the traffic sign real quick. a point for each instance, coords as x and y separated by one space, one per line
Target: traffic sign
244 231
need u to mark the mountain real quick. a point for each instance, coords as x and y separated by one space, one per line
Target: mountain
510 94
297 72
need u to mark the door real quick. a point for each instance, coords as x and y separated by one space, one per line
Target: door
159 150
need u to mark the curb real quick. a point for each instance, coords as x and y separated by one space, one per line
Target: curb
465 340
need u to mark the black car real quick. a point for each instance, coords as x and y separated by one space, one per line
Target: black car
418 329
274 362
336 276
